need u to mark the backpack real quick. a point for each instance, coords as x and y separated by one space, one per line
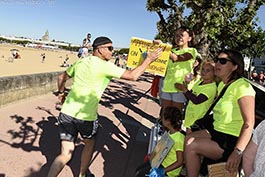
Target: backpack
80 51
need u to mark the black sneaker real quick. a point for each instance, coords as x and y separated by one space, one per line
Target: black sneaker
89 174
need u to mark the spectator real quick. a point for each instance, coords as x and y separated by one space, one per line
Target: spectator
87 42
65 64
117 60
172 164
254 154
233 115
201 96
14 54
86 47
43 57
255 76
261 77
84 51
180 64
91 76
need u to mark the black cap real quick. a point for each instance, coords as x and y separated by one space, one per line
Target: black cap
100 41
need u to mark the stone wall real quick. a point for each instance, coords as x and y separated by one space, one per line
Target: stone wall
14 88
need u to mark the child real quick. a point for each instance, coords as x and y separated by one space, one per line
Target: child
172 163
180 64
201 96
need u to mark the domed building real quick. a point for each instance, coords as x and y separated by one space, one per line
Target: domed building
46 36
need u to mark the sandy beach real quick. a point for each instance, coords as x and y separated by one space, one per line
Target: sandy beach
31 60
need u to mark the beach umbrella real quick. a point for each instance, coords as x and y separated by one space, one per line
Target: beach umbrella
14 50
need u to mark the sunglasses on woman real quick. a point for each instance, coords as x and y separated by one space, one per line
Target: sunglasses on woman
222 61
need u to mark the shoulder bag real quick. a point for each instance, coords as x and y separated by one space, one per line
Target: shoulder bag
206 122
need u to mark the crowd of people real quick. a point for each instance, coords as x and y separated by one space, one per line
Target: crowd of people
233 113
258 77
189 89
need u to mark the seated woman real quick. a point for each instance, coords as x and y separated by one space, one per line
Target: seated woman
233 119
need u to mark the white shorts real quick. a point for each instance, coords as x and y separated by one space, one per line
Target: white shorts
177 97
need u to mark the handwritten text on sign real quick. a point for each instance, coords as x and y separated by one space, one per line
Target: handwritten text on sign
137 53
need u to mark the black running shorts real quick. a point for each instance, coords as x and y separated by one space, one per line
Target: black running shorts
69 127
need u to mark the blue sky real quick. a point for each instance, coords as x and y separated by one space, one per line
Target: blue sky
71 20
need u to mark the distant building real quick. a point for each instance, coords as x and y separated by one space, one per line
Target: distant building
44 42
46 36
259 64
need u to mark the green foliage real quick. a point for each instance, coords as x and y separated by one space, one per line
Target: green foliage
124 51
70 48
217 24
20 42
25 42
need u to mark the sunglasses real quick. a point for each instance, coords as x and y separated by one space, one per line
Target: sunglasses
222 61
110 48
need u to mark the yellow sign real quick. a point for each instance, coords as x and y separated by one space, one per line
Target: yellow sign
137 53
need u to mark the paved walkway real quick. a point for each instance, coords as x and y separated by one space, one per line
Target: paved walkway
29 139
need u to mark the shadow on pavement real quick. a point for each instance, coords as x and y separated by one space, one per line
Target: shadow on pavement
117 147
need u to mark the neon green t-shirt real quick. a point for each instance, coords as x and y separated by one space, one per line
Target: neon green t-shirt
227 115
176 71
171 157
196 111
91 76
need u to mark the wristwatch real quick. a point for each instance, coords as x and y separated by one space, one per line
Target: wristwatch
238 152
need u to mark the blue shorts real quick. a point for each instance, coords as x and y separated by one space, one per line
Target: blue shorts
69 128
177 97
